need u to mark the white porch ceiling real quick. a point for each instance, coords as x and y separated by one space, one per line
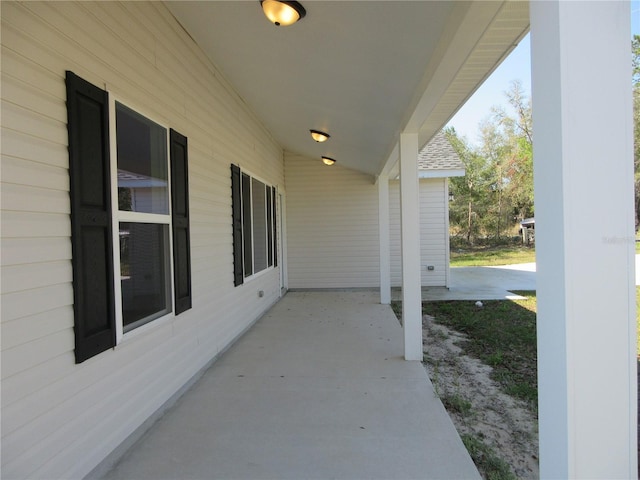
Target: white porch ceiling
363 71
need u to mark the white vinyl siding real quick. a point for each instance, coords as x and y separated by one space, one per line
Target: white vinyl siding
332 225
59 419
433 232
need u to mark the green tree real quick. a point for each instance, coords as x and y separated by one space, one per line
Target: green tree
469 206
518 132
507 139
494 149
497 189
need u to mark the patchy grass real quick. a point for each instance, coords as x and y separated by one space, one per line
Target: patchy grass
396 306
487 256
501 334
490 465
456 403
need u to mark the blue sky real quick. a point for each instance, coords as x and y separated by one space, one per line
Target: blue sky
516 67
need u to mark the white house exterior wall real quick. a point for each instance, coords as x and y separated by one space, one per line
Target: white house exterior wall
333 221
433 232
332 231
60 419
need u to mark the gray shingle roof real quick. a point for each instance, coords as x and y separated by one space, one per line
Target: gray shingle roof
438 154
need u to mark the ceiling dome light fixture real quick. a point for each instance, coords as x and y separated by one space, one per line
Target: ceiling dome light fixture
328 160
319 136
281 12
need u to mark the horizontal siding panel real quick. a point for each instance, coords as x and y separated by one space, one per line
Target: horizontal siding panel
332 218
31 123
31 73
34 199
86 34
29 276
30 224
21 331
125 27
65 456
33 98
34 379
35 352
67 387
35 30
49 160
20 251
29 302
33 173
433 244
44 436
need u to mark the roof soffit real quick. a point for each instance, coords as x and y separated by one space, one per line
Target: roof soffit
357 69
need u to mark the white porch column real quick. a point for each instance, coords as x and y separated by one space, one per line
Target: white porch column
584 239
385 249
410 233
447 244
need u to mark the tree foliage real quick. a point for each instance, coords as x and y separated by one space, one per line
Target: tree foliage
468 211
497 190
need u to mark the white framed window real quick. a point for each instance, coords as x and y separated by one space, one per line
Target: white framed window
129 218
141 193
254 219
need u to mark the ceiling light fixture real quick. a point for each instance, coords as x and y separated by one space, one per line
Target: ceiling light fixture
319 136
281 12
328 160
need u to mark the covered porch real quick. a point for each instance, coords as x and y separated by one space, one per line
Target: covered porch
318 388
381 78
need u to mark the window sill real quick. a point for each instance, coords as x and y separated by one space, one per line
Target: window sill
146 328
255 276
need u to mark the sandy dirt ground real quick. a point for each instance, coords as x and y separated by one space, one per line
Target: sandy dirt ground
498 419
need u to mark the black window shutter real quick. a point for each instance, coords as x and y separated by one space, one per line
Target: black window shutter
236 214
275 226
269 205
180 222
91 231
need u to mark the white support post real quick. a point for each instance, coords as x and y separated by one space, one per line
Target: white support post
410 230
447 245
583 165
385 249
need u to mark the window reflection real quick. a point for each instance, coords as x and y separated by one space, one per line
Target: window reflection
142 163
144 253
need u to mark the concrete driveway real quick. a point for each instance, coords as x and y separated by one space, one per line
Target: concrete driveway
492 283
485 283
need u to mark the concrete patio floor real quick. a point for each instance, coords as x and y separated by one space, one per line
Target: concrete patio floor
316 389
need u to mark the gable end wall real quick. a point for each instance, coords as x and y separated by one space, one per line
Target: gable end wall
332 215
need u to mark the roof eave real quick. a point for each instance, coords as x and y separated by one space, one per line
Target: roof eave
441 173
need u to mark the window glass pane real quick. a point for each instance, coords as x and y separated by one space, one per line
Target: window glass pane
259 225
144 272
246 225
142 163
